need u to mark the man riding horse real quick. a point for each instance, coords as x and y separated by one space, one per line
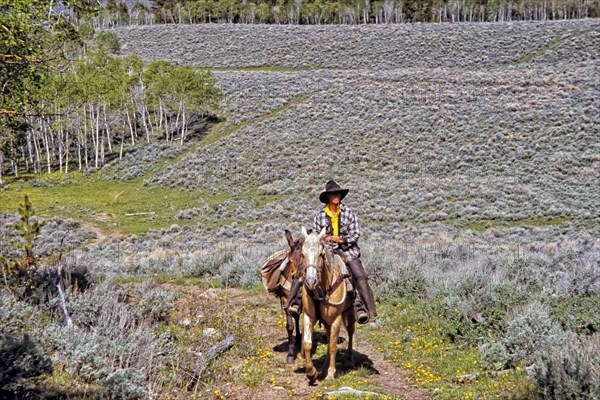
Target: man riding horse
342 233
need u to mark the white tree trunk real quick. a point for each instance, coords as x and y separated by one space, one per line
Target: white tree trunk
183 124
106 127
130 128
46 143
67 152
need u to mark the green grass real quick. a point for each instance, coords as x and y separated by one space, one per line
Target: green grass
127 207
589 223
103 202
414 336
221 130
202 282
551 46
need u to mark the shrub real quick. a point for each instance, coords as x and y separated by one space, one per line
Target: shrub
402 280
157 303
21 362
124 384
526 331
570 371
16 316
240 271
204 263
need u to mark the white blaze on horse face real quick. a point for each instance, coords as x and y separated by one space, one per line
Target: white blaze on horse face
311 277
311 250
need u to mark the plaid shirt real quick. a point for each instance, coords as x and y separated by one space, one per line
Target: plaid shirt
349 229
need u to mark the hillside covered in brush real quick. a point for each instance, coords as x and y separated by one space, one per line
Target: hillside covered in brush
472 125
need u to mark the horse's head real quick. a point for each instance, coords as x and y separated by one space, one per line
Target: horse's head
312 250
295 251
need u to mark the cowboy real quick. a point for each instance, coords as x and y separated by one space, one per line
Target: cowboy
343 231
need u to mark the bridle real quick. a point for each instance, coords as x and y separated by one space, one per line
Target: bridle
296 261
312 251
323 257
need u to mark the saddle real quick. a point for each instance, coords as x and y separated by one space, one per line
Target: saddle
338 259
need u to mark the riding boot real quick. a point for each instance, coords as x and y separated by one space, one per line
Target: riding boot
294 301
366 295
362 316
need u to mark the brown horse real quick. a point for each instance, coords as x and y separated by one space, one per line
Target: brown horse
324 299
294 257
278 272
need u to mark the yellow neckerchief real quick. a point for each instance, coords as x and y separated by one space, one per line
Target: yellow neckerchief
334 218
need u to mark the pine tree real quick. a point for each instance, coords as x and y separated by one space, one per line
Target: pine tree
18 272
28 228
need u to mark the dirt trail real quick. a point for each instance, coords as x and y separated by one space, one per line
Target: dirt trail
290 379
389 377
101 234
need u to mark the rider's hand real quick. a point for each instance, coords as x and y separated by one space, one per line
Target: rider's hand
334 239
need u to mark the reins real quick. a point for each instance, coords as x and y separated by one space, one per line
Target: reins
333 287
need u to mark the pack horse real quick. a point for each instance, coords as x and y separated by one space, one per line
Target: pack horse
277 275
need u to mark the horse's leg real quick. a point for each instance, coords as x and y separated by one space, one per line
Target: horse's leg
350 326
289 325
327 354
334 334
298 332
309 323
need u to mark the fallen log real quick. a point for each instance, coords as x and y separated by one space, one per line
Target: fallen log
210 355
494 374
346 390
140 213
61 294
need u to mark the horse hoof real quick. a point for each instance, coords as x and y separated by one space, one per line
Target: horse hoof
291 359
330 375
312 376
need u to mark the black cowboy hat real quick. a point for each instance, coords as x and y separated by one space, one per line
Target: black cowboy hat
332 187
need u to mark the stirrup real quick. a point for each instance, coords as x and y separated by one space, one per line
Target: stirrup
362 317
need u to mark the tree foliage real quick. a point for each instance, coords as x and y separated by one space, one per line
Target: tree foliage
21 56
67 96
360 11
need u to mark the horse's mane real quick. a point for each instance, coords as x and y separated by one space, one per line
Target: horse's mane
333 266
